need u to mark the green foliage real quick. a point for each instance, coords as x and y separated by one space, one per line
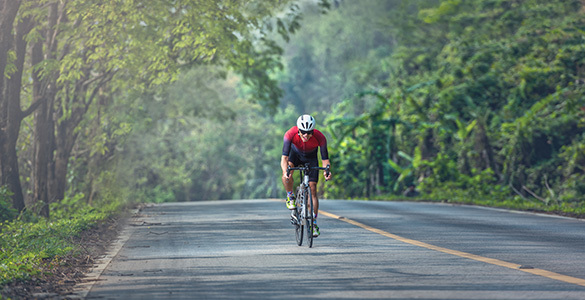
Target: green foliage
6 211
470 101
446 184
197 140
335 56
27 246
466 99
101 54
369 140
485 98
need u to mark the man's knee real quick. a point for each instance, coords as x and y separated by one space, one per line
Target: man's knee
313 186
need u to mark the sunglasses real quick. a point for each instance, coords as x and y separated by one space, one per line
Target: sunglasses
306 132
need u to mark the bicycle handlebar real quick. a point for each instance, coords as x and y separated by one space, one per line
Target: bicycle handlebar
307 168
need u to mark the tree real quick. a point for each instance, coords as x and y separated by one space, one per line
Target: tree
82 49
12 44
492 90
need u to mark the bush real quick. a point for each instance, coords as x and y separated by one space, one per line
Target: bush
6 211
25 246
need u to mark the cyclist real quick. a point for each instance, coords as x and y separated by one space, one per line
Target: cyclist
300 147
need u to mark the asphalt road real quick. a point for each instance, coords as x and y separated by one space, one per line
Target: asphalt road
367 250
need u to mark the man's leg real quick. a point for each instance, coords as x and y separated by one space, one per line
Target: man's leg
313 186
288 186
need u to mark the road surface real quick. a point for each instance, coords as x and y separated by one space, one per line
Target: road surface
367 250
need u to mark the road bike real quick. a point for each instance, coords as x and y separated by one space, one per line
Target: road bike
302 215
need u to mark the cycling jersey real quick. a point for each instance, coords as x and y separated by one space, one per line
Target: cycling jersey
300 153
308 149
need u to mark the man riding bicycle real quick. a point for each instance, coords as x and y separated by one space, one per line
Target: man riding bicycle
300 147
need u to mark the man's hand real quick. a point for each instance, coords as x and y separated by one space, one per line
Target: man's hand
285 175
327 175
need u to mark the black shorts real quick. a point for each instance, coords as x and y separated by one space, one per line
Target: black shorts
299 160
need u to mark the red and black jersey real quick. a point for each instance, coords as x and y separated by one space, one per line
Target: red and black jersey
308 149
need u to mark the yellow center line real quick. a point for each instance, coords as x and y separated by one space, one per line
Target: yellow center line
497 262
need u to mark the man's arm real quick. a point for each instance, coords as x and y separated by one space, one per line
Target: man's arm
324 154
284 166
325 164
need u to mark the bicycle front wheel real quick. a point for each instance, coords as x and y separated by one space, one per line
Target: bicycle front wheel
299 228
309 217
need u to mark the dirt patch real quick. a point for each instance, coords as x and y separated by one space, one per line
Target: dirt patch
59 276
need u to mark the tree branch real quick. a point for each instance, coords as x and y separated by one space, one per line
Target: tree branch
33 106
533 194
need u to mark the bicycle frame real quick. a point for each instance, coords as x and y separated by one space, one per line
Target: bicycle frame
305 196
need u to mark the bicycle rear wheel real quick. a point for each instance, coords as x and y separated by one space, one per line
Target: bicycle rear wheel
309 217
299 228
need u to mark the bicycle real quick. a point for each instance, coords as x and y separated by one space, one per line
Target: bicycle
302 215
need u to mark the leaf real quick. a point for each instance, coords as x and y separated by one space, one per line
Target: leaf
405 156
395 166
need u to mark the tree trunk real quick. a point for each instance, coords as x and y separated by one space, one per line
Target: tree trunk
64 142
485 149
44 130
8 11
66 136
427 151
10 112
11 176
44 138
41 160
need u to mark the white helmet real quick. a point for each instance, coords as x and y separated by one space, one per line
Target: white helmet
306 123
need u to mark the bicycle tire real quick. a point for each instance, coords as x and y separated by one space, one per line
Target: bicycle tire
309 217
299 223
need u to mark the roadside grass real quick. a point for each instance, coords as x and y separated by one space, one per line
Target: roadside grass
575 209
30 244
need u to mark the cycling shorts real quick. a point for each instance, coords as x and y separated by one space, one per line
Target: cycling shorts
299 160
